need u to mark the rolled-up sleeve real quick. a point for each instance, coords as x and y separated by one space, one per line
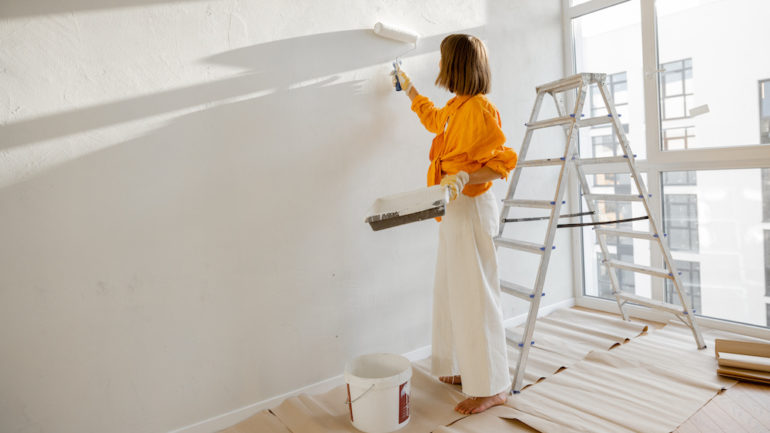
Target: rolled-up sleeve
430 116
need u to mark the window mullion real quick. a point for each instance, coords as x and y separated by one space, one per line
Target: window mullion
652 126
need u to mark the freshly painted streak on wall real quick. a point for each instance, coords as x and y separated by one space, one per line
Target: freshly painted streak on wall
182 193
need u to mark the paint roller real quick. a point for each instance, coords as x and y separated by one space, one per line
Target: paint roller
398 34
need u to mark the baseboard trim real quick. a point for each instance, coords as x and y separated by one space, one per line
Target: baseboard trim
233 417
228 419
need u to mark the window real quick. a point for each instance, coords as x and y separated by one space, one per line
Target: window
698 104
679 178
598 39
679 138
721 251
690 278
767 314
764 112
624 253
676 88
603 140
703 67
676 98
767 262
680 218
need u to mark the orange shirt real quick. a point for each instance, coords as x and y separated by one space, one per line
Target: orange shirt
468 138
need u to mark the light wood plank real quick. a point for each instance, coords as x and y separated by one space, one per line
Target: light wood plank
738 414
703 423
736 396
722 419
759 393
686 427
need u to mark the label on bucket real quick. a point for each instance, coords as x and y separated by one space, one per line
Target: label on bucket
350 404
403 403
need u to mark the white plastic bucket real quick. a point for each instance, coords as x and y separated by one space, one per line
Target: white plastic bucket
378 392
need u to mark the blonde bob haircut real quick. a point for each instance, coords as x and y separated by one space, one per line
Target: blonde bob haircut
464 65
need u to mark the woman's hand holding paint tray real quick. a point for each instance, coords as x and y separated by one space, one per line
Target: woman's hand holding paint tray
455 183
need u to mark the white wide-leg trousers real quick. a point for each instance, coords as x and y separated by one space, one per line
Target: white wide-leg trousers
468 333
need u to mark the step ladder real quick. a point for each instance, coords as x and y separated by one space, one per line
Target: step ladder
571 123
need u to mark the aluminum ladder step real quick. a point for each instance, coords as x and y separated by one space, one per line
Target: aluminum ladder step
540 162
571 82
601 160
547 123
663 273
613 197
520 245
594 121
660 305
545 204
517 290
566 120
626 233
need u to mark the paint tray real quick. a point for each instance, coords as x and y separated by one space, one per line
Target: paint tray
408 207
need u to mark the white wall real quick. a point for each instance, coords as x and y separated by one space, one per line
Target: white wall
182 192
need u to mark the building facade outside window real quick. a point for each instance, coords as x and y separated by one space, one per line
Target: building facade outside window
764 111
690 278
680 218
707 173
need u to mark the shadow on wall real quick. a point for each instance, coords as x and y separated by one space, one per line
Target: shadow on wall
213 211
17 9
251 159
272 66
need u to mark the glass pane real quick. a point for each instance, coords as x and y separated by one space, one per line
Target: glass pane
713 219
673 108
597 280
764 103
609 41
719 68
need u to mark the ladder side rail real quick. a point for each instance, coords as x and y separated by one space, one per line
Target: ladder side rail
534 305
602 241
561 110
595 218
654 225
517 170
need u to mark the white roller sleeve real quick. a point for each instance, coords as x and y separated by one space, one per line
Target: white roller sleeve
399 34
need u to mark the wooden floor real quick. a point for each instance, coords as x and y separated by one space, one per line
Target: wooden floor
744 408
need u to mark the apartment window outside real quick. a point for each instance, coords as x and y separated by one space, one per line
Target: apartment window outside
685 178
764 112
679 138
690 278
723 250
680 217
767 262
767 314
625 278
677 89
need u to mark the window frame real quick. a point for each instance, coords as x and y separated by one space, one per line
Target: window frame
657 161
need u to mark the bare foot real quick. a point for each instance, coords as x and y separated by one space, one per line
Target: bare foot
480 404
452 380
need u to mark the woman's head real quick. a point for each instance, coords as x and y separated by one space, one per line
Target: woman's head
464 65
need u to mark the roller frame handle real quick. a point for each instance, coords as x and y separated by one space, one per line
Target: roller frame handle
398 82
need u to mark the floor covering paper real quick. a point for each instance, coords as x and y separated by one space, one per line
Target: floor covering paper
653 383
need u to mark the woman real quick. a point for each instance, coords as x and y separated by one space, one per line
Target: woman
469 346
